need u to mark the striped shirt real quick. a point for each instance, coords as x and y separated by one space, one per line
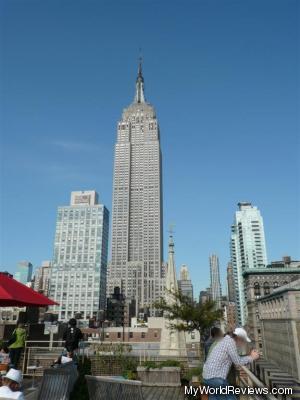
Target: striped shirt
221 358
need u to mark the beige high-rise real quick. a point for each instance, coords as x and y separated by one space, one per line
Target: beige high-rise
136 256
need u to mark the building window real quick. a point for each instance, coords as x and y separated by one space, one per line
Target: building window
266 288
130 335
107 335
256 289
143 335
119 335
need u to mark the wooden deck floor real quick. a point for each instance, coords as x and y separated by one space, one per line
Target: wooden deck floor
162 393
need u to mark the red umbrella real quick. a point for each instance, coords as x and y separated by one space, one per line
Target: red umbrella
15 294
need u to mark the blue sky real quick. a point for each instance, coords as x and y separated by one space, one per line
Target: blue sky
223 77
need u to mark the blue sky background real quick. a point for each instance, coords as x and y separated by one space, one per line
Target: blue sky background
224 78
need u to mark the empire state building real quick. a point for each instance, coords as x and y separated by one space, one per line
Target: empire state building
137 239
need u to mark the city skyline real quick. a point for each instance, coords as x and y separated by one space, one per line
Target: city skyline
70 116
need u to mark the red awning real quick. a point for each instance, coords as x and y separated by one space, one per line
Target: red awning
15 294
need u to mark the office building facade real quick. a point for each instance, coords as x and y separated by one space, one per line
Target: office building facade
185 285
205 295
24 272
119 310
230 283
42 277
215 282
79 268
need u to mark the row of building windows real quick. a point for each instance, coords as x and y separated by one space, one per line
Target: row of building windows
143 335
265 287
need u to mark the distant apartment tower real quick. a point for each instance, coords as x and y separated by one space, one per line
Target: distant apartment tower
137 239
184 283
24 272
248 250
41 279
230 283
215 282
78 273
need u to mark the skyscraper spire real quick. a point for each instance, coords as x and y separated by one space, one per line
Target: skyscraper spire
139 86
171 280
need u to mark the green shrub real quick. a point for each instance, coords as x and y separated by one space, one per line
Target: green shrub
160 364
170 363
129 366
150 365
131 375
193 372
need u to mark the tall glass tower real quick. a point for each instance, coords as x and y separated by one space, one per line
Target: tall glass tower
137 240
24 272
248 250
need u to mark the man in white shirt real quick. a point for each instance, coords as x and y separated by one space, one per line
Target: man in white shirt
11 384
220 359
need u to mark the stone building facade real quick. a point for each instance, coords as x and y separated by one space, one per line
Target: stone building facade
280 326
262 282
229 315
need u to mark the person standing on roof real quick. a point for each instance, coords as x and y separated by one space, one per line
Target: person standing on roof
72 336
220 359
16 344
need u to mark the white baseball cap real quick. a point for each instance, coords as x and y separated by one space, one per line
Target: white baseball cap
240 332
14 375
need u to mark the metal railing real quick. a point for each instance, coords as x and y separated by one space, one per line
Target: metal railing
246 378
